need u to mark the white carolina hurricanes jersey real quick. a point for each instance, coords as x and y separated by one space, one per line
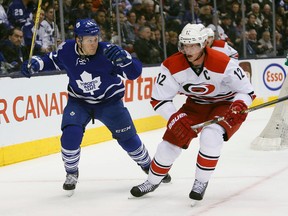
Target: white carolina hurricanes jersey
220 79
223 46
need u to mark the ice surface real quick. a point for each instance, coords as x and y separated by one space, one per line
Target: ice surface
245 182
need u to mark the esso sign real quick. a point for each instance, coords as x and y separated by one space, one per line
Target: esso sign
274 76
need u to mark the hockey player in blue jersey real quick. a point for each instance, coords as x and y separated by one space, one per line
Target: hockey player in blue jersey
95 91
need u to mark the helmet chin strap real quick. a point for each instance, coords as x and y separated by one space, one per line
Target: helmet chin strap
82 53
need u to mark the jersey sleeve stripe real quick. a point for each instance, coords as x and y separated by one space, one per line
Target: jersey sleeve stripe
156 103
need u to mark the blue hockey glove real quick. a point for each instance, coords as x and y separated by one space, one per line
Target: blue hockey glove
117 55
34 67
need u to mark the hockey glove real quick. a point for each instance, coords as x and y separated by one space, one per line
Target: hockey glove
286 62
34 67
234 115
117 55
179 131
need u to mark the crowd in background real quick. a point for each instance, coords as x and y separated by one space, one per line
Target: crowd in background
141 26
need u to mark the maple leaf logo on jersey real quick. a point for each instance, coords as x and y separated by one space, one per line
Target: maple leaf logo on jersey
198 89
87 84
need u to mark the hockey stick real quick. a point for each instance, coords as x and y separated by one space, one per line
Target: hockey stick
221 118
55 29
36 25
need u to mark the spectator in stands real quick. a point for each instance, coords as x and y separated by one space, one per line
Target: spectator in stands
187 17
83 10
129 27
239 32
255 10
252 46
267 14
13 52
173 10
281 12
206 14
88 7
151 22
101 20
265 27
124 6
279 26
282 7
145 49
159 42
42 37
148 9
55 5
137 7
126 43
51 28
248 3
158 23
3 16
20 12
204 2
280 46
98 5
78 11
235 13
229 29
251 23
172 45
68 25
140 22
265 45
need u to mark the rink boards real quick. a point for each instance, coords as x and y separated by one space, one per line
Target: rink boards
31 109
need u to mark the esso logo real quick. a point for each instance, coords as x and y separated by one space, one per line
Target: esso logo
274 76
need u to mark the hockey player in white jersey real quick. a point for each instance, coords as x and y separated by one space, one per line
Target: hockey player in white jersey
220 45
215 86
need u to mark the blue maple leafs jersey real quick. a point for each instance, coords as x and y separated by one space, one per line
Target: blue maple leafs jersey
93 79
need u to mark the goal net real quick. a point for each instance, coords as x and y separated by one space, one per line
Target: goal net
275 134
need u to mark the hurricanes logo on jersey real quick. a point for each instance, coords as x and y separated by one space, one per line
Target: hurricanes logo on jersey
198 89
87 84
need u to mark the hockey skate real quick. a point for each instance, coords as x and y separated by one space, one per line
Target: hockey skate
70 183
198 190
142 189
166 179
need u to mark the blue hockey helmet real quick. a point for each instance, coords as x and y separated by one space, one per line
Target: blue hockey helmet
86 27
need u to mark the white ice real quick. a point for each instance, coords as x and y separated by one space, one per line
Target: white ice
245 183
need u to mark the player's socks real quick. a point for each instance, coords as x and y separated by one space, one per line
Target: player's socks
166 179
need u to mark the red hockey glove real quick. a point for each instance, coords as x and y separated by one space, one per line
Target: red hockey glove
179 131
234 115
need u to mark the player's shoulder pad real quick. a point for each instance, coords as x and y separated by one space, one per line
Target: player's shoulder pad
176 63
219 43
68 43
216 61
